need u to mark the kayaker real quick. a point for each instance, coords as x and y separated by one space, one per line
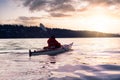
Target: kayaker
52 43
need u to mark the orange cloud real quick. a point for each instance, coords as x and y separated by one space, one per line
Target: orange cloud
66 6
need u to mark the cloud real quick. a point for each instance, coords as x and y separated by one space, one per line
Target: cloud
59 15
49 5
62 8
112 5
35 4
28 20
56 8
63 5
106 3
66 6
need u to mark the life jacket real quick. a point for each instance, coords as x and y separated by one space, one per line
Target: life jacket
52 43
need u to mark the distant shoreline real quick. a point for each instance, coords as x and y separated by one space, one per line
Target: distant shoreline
20 31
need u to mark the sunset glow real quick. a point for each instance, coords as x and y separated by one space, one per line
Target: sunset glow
99 22
94 15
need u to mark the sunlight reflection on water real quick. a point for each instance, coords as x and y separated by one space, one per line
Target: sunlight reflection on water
90 59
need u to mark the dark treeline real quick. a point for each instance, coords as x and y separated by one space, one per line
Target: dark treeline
20 31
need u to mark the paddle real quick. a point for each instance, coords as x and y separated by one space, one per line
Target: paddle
44 29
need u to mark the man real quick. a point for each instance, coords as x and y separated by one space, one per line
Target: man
52 43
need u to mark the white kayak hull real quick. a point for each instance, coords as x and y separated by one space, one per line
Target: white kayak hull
63 49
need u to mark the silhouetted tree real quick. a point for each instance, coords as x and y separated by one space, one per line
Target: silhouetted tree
20 31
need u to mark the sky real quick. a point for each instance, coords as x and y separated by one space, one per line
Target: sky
93 15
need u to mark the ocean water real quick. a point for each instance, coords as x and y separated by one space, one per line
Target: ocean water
89 59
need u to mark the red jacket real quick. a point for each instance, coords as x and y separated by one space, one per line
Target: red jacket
52 43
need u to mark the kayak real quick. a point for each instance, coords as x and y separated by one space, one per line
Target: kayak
62 49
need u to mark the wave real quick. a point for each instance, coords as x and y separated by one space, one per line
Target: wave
13 51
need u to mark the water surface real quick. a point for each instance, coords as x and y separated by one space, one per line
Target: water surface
90 59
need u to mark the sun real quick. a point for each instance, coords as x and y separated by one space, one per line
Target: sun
99 23
99 19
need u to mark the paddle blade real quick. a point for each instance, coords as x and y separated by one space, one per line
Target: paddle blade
43 27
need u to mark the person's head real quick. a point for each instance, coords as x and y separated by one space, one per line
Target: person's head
53 37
